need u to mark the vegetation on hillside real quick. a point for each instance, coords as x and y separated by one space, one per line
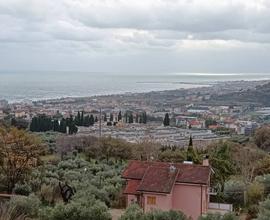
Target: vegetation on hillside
33 166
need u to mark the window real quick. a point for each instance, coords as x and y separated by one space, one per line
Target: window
151 200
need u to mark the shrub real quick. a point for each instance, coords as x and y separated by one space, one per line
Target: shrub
10 213
228 216
83 209
234 192
134 212
253 211
22 189
24 205
255 193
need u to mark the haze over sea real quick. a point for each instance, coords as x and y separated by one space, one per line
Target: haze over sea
19 86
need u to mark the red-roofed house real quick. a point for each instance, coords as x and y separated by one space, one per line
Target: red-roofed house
166 186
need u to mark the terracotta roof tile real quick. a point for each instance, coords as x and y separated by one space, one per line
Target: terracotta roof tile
158 179
135 170
188 173
132 186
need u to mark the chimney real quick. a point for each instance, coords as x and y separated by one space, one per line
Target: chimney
206 161
172 168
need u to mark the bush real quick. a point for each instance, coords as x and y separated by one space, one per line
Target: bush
234 192
255 193
9 213
134 212
24 205
265 180
253 211
22 189
167 215
228 216
83 209
264 210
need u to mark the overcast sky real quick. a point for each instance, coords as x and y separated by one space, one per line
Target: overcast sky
135 35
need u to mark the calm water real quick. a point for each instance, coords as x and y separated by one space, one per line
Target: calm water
18 86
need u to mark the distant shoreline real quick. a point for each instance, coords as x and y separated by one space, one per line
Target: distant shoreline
194 86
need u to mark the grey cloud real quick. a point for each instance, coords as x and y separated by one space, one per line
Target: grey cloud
58 30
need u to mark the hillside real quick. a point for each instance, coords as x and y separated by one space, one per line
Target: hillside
258 96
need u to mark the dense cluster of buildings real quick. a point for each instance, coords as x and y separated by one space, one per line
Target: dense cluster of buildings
189 111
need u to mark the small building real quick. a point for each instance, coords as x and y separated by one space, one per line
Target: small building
169 186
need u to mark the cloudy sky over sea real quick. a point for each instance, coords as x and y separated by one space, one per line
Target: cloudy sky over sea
135 36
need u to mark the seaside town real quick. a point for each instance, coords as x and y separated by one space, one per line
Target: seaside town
137 117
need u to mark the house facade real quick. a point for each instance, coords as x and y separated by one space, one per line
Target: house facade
168 186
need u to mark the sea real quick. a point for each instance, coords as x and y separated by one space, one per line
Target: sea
39 85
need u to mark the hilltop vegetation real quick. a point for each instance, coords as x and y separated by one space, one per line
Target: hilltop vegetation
91 168
258 96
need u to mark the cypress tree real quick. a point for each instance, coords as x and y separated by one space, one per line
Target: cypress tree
166 121
130 118
63 126
82 119
87 121
78 118
55 125
91 120
190 141
111 117
137 118
144 118
119 116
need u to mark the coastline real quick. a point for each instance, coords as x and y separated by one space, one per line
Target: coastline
188 86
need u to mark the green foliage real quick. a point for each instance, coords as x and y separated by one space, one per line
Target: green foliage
43 123
255 193
221 162
234 192
262 138
22 189
265 181
172 156
192 155
26 205
166 121
19 123
228 216
264 210
134 212
10 213
83 209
